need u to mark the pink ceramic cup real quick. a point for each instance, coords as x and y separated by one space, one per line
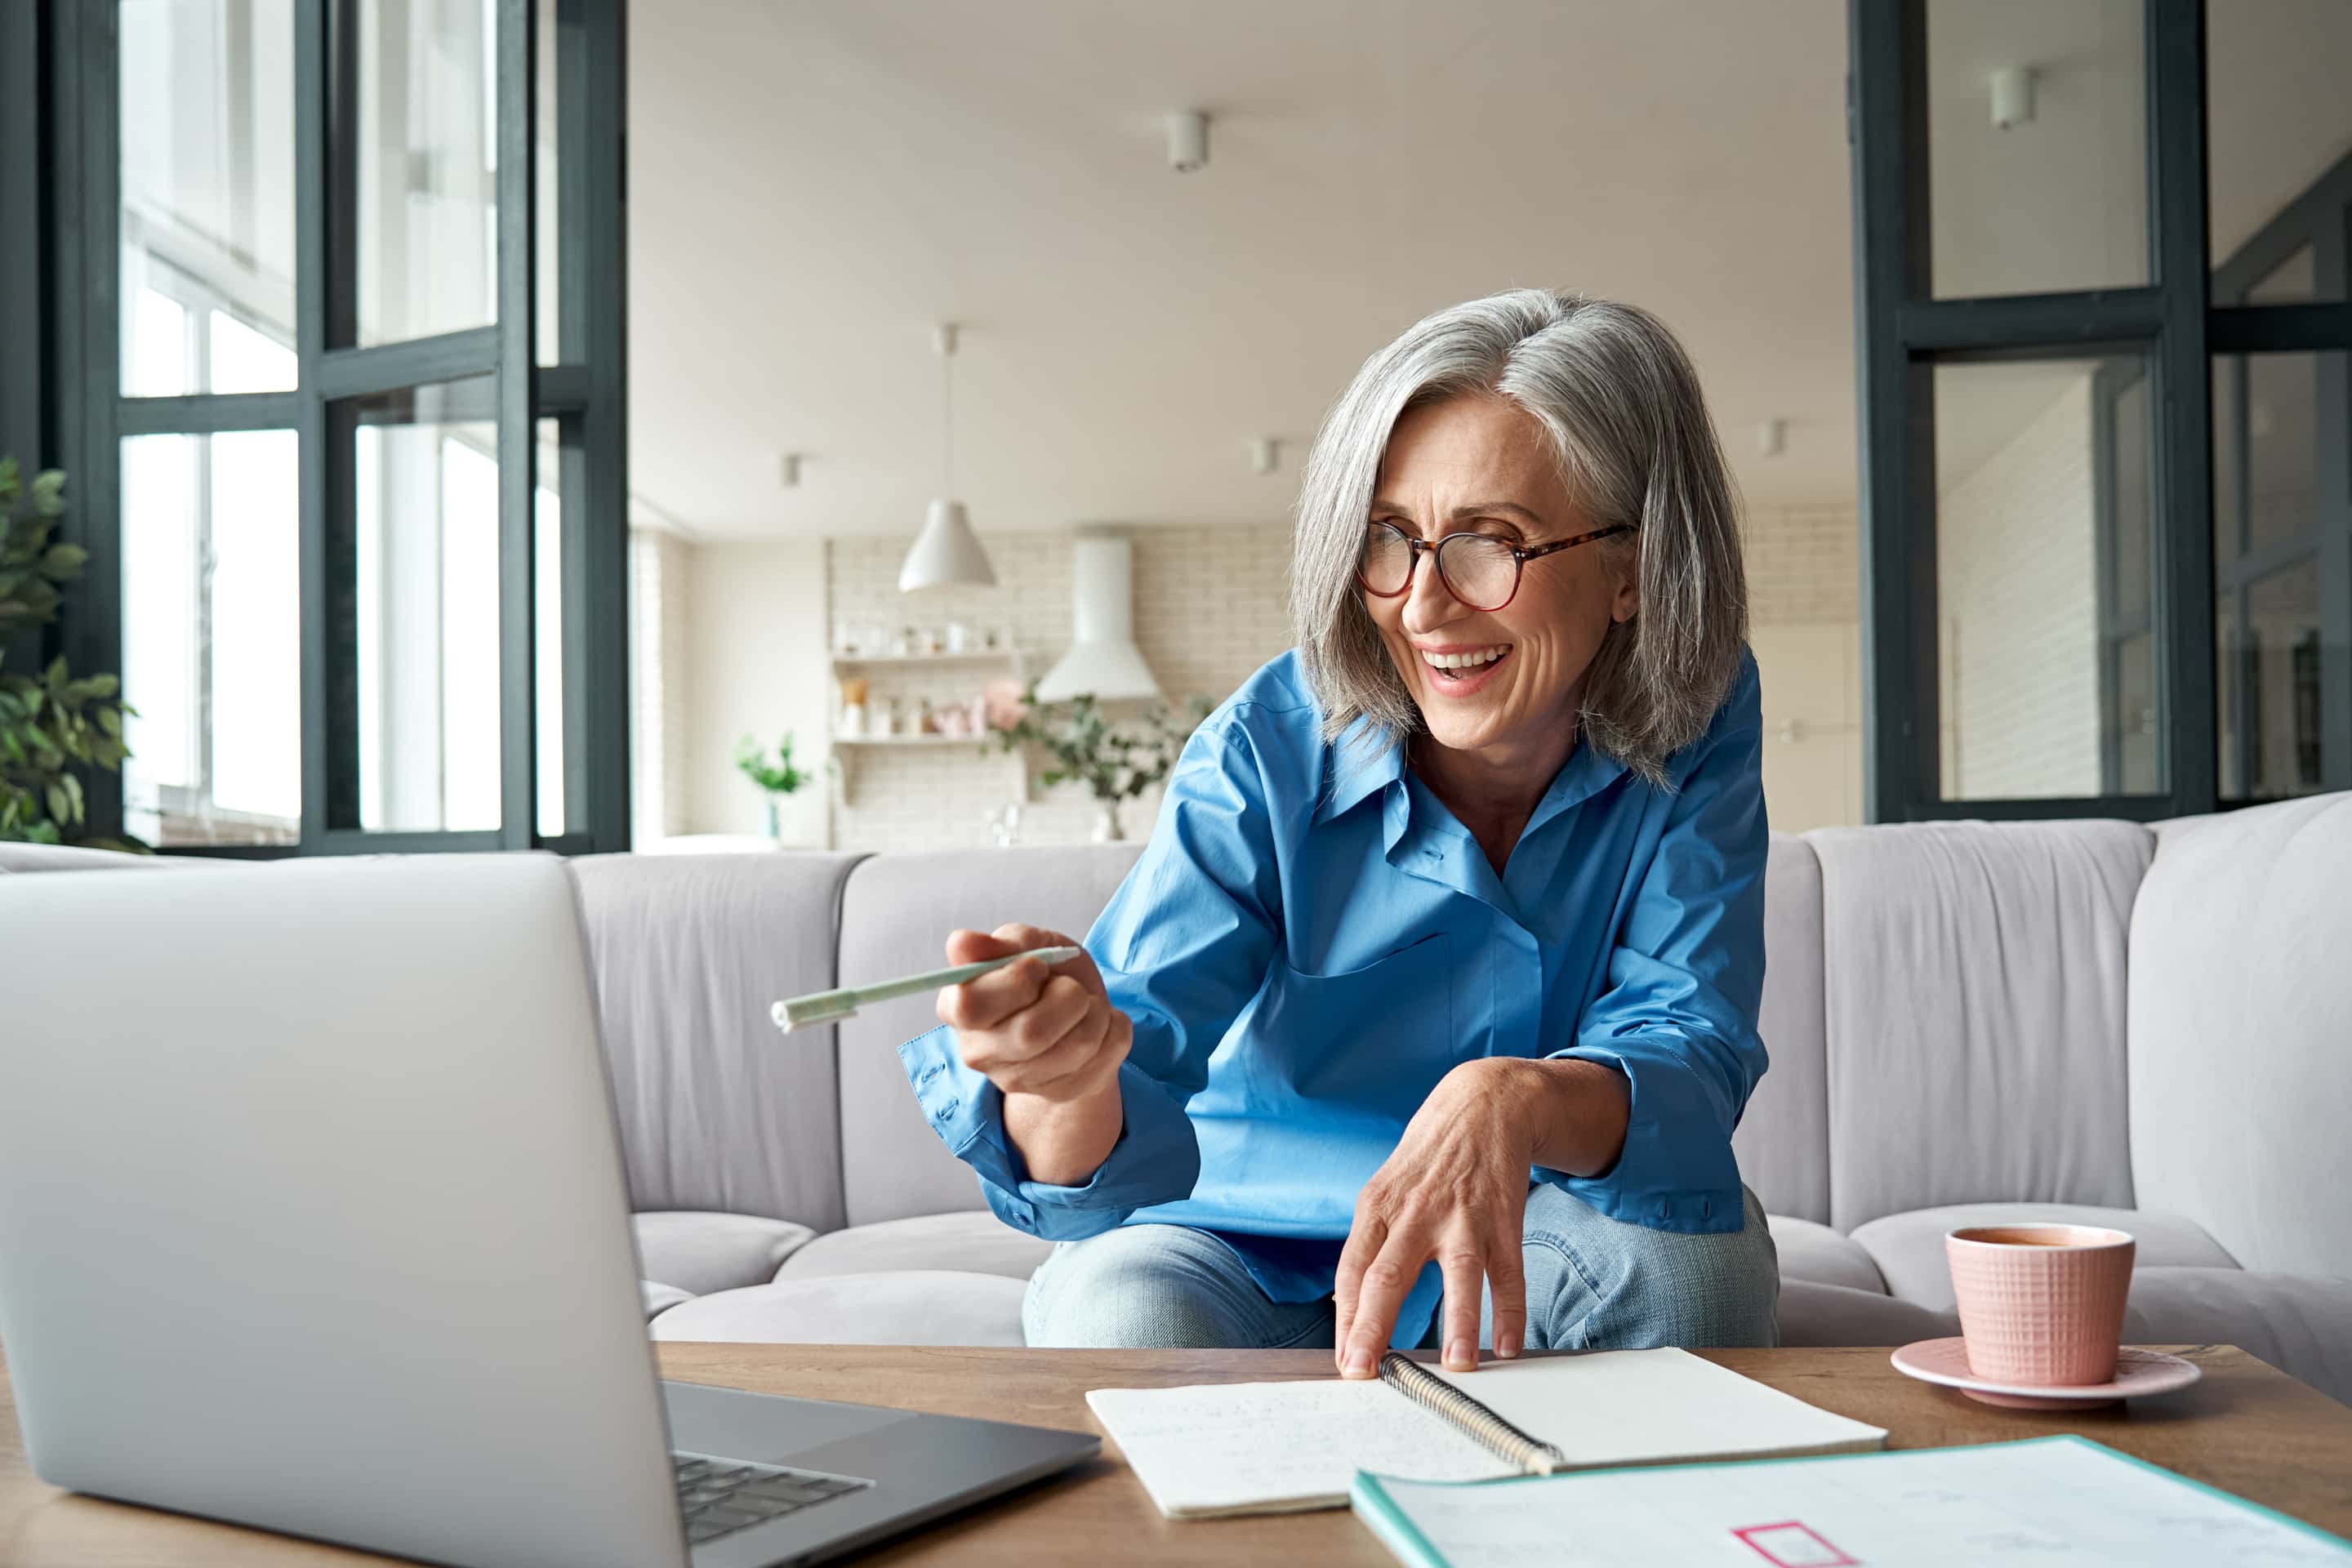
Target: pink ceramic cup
2040 1304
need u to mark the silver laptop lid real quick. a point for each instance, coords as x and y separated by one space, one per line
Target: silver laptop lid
312 1209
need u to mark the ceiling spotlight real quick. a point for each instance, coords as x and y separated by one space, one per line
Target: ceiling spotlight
1265 454
2012 96
1188 140
792 469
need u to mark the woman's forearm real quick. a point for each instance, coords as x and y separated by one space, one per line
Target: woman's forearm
1064 1142
1575 1109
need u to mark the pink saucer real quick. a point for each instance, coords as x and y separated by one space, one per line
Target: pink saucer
2138 1373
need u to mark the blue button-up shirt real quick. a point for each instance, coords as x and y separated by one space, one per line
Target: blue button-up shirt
1312 940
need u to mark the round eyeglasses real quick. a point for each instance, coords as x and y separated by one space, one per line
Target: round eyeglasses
1479 569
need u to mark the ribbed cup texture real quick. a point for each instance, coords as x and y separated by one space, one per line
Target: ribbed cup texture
2041 1304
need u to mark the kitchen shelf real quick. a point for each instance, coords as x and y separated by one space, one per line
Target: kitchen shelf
907 661
844 746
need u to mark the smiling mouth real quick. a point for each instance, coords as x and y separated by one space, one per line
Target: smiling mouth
1452 670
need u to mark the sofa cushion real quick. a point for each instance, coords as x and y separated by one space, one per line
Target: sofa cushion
660 1298
1814 1314
1782 1142
1815 1252
970 1242
2299 1323
895 913
1973 993
717 1110
917 1307
2239 996
1909 1247
700 1252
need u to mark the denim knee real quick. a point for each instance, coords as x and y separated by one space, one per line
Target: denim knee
1156 1287
1598 1283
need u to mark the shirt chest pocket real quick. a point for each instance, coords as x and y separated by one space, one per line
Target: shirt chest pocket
1373 1040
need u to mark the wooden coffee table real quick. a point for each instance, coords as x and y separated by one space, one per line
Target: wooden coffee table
2246 1428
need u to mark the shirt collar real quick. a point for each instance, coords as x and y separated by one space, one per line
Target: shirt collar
1361 760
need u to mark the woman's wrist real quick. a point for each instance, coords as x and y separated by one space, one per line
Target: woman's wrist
1062 1142
1566 1113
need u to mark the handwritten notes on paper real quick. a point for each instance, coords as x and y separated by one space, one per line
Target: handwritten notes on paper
1278 1446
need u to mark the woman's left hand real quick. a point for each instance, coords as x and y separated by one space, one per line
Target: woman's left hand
1456 1191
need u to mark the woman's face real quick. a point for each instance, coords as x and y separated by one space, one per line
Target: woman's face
1479 463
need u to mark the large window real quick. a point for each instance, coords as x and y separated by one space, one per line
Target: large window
2104 420
355 498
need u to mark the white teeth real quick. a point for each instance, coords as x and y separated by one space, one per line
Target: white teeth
1465 661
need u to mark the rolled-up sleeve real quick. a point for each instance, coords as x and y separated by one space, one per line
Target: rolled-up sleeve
1686 978
1183 945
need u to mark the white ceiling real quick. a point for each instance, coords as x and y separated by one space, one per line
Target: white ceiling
813 184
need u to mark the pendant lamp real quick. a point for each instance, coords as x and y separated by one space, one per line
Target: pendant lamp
947 553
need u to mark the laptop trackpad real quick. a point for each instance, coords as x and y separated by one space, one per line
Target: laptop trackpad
766 1428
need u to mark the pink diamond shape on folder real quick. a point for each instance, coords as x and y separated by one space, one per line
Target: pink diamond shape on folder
1792 1545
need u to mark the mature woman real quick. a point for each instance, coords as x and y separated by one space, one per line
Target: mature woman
1427 1013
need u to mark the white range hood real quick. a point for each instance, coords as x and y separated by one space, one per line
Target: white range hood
1103 660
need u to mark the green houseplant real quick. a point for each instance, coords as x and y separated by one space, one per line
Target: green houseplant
1115 762
779 778
52 724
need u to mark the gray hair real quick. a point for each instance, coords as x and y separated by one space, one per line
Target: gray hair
1621 403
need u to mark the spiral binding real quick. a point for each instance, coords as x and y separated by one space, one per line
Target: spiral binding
1473 1420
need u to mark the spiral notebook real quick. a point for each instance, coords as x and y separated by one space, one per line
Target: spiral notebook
1212 1449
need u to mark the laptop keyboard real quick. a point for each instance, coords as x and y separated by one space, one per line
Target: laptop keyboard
720 1497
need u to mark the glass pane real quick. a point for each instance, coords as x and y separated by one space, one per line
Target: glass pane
2270 718
425 564
2295 281
547 627
2056 199
548 271
207 213
427 168
2229 686
2228 386
2041 537
211 639
2278 121
2282 497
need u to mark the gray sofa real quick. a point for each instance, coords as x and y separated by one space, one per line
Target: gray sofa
2144 1027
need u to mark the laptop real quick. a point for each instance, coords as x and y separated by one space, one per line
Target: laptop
312 1218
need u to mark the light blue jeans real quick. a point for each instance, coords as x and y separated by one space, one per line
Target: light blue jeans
1593 1283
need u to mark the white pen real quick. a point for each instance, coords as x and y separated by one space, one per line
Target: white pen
831 1007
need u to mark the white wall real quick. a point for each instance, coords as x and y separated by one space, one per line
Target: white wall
755 656
657 685
2017 612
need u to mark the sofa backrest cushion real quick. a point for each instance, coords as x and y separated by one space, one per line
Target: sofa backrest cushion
895 913
2241 1032
1783 1139
718 1109
1973 985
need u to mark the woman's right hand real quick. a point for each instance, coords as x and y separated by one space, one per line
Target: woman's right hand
1031 1029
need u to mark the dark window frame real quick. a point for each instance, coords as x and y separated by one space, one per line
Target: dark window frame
1903 332
60 403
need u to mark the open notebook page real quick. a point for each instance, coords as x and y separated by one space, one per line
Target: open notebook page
1278 1446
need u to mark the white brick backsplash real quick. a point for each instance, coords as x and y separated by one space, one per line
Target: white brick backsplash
1208 611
